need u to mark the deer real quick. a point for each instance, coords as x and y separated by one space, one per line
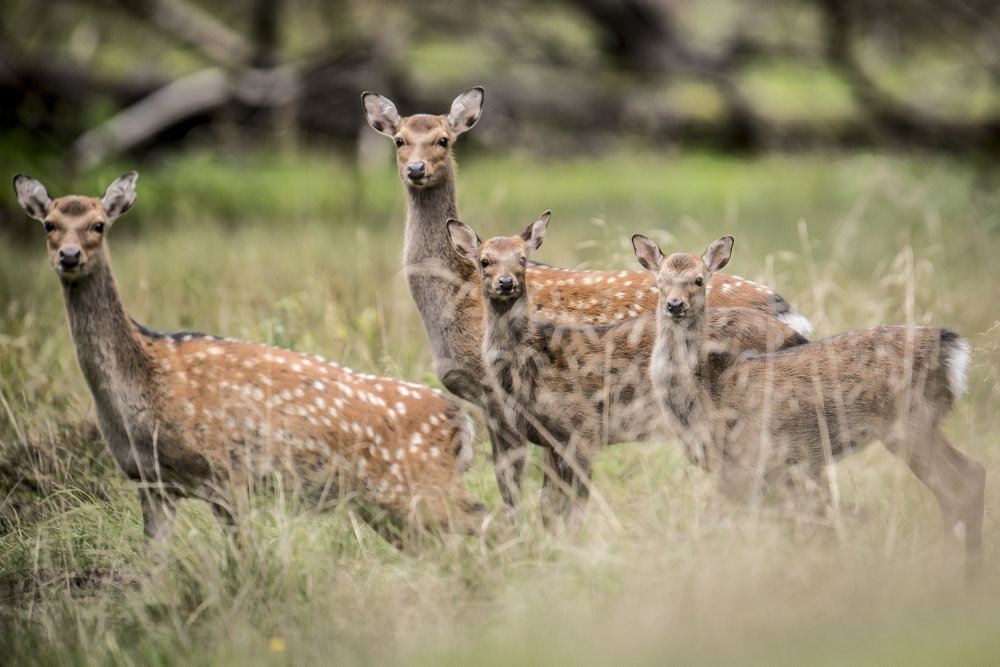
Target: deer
572 389
445 288
201 416
761 418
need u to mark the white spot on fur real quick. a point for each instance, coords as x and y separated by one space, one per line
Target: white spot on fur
215 350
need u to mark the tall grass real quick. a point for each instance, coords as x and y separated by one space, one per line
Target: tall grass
305 253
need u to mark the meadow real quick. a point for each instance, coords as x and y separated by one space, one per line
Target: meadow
303 251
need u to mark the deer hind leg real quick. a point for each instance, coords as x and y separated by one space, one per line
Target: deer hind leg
958 482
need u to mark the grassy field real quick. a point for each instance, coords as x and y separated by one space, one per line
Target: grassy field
304 252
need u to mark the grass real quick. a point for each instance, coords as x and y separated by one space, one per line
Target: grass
303 251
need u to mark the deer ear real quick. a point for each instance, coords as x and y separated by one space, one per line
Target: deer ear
463 240
381 113
535 233
718 254
32 197
466 110
647 252
120 195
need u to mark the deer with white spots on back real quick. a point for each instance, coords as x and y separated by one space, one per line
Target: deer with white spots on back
195 415
574 389
445 288
766 417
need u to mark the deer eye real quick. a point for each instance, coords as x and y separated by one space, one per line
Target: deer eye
399 142
484 262
99 227
699 281
523 260
443 142
49 227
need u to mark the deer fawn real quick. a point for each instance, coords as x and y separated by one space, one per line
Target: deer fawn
572 389
444 286
195 415
756 419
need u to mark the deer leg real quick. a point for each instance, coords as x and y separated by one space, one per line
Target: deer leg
508 446
157 514
958 482
555 498
566 484
735 482
806 490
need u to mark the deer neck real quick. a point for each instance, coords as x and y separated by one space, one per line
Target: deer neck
113 362
427 248
677 356
507 323
676 373
505 343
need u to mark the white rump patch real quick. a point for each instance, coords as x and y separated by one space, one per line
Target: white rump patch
799 322
957 357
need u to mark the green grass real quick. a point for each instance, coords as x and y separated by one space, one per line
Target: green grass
303 251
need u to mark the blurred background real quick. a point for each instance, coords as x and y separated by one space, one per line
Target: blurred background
87 81
851 146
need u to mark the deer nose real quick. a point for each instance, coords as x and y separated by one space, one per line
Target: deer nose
69 257
675 305
505 283
415 170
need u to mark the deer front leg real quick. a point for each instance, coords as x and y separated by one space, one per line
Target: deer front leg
565 485
507 443
157 514
508 446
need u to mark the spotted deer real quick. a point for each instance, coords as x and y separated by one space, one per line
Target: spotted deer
573 389
188 414
445 288
758 419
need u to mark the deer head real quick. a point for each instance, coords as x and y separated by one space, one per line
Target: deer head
76 226
501 261
682 278
424 141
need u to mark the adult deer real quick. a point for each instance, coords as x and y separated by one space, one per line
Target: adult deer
574 389
775 416
195 415
445 289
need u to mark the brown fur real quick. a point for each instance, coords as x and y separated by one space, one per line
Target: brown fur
445 288
196 415
575 389
772 416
